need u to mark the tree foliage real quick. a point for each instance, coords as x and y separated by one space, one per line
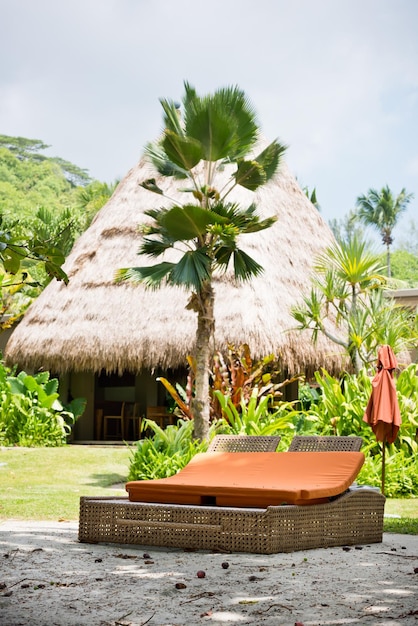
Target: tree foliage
347 295
404 266
382 210
45 204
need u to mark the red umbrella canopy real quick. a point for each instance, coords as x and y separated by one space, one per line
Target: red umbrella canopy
382 412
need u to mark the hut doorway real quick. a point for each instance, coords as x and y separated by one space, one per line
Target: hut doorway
116 403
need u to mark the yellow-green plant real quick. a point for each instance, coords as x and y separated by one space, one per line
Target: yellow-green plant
254 417
165 452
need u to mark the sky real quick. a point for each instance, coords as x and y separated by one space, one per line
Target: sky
335 80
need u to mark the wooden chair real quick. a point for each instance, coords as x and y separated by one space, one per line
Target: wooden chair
160 415
132 416
119 419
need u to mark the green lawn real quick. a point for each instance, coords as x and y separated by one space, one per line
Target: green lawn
46 483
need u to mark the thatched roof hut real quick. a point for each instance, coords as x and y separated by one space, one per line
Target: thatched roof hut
94 324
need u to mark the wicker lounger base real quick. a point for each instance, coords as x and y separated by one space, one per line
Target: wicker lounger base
354 518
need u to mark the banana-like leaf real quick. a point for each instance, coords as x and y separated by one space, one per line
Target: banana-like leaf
176 397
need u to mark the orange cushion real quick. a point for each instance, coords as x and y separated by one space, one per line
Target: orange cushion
253 479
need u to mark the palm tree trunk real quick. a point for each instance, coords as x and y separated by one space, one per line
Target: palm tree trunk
353 350
388 259
204 338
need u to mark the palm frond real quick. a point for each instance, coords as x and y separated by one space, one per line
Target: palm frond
171 116
223 122
155 153
152 276
184 152
189 221
245 266
193 270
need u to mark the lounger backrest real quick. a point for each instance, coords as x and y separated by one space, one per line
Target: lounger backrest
243 443
305 443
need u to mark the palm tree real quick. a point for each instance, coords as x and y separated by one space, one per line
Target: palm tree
382 211
215 132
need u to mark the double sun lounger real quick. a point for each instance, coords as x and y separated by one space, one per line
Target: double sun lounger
251 499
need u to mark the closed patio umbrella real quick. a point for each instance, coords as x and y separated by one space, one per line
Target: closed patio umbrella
382 412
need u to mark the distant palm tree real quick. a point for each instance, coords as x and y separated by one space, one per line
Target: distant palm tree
214 131
381 210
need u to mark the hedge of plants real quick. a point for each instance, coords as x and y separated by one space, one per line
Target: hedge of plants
31 413
331 407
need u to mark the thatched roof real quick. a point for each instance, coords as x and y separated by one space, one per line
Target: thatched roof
94 324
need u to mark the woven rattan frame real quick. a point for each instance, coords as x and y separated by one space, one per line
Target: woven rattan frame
244 443
354 518
305 443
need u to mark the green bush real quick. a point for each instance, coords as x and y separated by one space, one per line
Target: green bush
30 411
339 410
165 452
254 417
336 408
341 404
401 473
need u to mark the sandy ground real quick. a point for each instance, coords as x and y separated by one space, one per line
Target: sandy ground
48 578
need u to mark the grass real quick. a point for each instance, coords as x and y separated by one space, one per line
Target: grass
46 484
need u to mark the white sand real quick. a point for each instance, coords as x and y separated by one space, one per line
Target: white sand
48 578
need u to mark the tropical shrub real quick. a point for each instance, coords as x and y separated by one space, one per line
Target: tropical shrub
401 473
254 416
167 451
237 377
348 290
164 453
30 411
340 407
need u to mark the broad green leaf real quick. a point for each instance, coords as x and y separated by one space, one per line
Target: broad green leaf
11 261
186 152
189 221
163 165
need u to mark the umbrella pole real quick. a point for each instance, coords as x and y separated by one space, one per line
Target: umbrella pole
383 467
